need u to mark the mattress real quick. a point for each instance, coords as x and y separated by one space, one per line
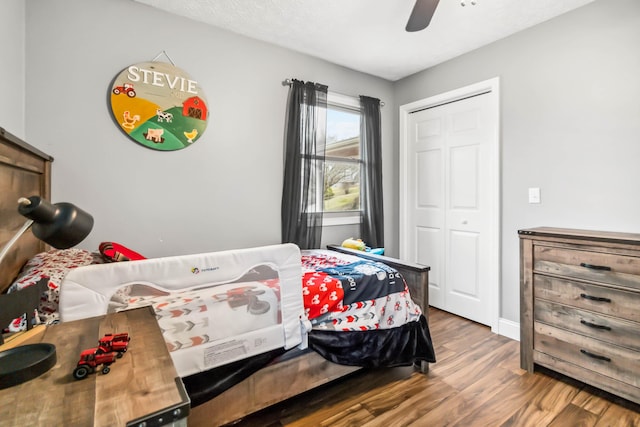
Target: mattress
213 308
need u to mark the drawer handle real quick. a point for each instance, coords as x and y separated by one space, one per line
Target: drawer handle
592 298
593 325
595 356
595 267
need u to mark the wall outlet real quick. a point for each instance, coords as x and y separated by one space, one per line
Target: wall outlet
534 195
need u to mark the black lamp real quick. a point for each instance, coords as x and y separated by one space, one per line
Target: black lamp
61 225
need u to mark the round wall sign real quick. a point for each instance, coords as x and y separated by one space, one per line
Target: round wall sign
159 106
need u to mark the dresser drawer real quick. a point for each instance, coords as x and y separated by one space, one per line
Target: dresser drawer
600 299
612 361
605 328
615 269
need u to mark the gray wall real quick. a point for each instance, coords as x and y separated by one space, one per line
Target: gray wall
570 102
12 75
224 191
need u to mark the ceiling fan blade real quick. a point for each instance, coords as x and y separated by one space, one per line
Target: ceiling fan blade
421 15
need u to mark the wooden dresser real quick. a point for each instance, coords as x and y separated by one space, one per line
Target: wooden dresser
580 306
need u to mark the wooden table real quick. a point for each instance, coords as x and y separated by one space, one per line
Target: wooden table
142 388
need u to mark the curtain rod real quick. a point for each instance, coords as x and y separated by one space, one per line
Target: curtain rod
287 82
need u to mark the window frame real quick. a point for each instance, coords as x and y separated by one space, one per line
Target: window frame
347 217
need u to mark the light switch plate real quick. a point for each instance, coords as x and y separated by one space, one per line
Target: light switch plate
534 195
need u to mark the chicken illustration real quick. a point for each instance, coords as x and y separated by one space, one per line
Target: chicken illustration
191 135
129 120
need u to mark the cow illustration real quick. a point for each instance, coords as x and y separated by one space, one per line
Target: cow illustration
164 116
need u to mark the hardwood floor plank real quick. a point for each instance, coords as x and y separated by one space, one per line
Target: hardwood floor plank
312 407
468 400
617 416
476 369
398 393
591 402
500 408
416 407
353 417
543 408
574 416
389 396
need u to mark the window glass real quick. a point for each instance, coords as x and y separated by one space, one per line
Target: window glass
342 160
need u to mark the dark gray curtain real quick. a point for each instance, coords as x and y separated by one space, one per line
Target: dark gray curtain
372 225
304 164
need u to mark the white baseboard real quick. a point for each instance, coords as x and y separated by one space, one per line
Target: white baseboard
509 329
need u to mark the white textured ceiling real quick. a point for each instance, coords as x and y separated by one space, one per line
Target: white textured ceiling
369 35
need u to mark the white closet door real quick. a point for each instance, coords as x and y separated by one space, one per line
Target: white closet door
449 195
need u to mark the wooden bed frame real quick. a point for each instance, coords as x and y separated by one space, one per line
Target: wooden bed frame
26 171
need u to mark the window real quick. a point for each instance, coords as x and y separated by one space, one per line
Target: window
343 161
352 161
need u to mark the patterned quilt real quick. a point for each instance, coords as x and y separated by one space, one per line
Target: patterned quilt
342 294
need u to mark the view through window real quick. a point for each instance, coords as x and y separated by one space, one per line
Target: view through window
342 160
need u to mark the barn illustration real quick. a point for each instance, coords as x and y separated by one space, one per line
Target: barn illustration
194 107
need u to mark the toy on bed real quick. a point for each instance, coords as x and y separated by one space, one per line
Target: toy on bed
359 245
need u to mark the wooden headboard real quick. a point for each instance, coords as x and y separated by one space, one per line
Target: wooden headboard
24 171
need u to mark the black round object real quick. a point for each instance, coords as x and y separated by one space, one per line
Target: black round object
25 362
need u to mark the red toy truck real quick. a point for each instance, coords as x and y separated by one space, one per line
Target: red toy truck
110 347
90 359
114 342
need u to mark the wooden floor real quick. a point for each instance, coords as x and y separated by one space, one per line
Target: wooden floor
476 381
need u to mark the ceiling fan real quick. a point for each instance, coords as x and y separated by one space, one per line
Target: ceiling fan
421 15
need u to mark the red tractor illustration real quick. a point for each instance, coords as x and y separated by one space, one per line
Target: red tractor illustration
125 88
114 343
90 359
245 295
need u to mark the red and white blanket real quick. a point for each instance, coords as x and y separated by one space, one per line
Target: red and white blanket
346 293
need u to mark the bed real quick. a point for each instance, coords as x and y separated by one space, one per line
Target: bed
269 376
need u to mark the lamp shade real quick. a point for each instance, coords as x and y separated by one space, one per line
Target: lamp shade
61 225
